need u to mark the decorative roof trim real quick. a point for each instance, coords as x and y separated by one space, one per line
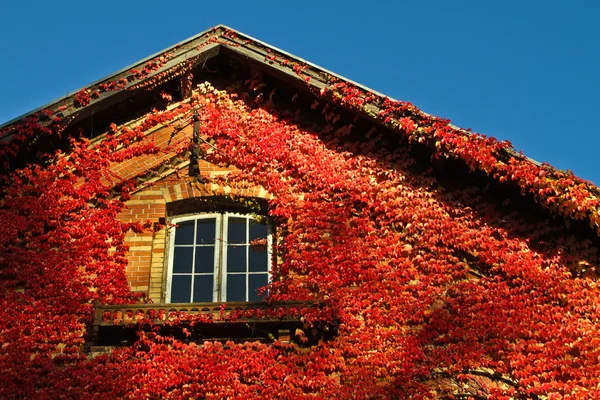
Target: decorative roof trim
560 192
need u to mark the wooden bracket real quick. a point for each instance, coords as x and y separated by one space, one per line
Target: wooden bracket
185 85
196 150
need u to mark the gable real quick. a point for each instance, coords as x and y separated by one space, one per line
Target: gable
388 216
559 192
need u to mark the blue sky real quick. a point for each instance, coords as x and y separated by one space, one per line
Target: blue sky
524 71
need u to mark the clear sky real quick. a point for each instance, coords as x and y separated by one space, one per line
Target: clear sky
527 71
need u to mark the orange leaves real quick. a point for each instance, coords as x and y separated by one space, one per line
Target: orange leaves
166 96
408 125
429 277
82 98
558 191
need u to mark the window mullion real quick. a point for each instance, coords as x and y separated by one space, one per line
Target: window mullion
219 271
247 257
193 260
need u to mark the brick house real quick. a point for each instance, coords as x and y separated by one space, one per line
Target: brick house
438 217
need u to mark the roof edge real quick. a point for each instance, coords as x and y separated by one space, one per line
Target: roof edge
114 74
553 189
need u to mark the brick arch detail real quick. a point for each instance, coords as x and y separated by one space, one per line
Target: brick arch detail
147 255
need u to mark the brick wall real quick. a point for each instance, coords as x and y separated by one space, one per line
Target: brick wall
147 253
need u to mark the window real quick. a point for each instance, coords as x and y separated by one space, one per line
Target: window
218 257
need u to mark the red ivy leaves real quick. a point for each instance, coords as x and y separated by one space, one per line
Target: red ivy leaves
560 192
82 98
389 250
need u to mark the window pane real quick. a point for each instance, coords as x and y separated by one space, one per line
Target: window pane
257 259
236 287
206 231
236 258
255 282
181 288
205 259
184 233
182 259
257 230
236 230
203 288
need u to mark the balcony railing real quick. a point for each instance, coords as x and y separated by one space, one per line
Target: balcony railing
242 312
300 321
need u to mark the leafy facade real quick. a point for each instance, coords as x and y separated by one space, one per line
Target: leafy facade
444 255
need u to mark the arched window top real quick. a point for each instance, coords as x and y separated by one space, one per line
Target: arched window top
210 204
218 256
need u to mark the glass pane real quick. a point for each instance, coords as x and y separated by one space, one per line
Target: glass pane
236 230
203 288
182 259
236 287
236 258
205 259
206 231
184 233
255 282
257 230
257 259
181 288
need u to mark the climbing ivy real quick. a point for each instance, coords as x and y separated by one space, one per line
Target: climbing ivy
439 291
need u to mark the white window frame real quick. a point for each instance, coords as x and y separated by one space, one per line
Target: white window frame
220 253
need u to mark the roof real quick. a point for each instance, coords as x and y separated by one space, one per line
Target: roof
560 192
